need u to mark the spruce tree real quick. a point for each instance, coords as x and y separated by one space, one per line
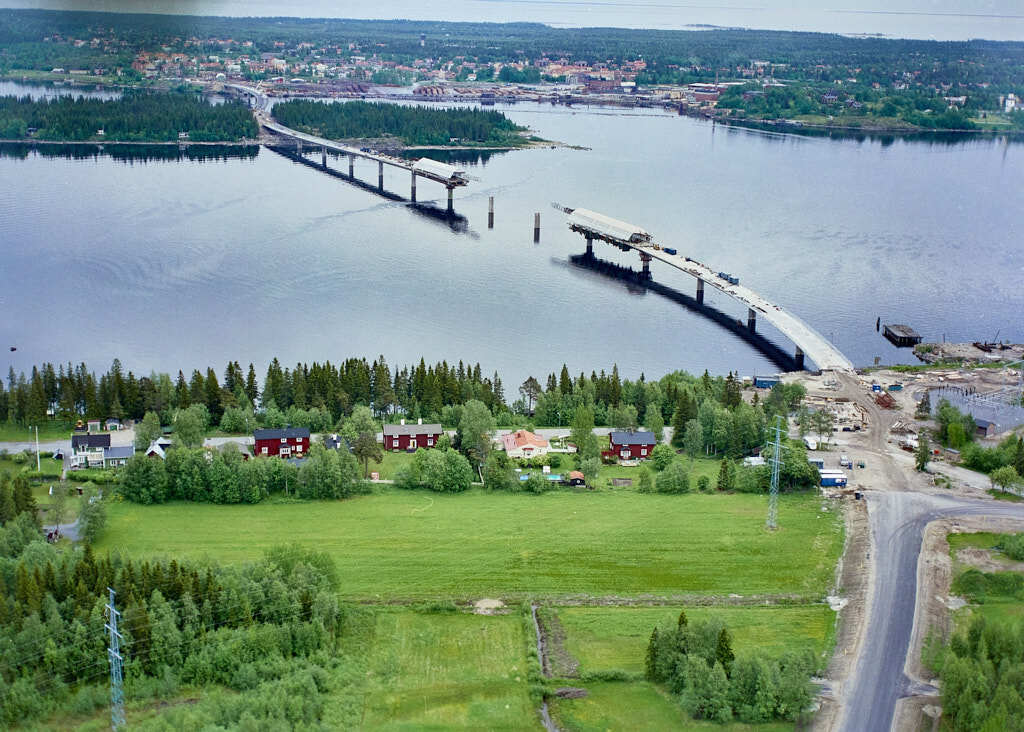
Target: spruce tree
723 653
24 501
650 662
679 419
7 510
725 476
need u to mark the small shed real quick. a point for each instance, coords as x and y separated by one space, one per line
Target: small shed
575 478
985 428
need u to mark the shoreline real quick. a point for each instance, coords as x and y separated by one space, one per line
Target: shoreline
780 125
176 143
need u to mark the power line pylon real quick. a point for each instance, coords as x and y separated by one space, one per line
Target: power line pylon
116 666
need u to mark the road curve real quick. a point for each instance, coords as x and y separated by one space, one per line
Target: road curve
898 520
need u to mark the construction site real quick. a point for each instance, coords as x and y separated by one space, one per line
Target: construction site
893 585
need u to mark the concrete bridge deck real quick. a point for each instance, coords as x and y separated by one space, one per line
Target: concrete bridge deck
447 175
815 346
625 236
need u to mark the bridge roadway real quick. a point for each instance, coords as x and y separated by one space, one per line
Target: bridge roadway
815 346
808 341
446 175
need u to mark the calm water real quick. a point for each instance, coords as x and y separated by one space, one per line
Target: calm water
187 263
936 19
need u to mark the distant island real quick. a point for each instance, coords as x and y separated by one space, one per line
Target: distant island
135 117
409 126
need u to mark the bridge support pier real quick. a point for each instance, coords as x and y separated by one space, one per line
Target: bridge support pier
700 291
451 194
490 212
298 144
645 258
413 197
380 175
323 157
751 319
536 227
590 246
799 358
351 166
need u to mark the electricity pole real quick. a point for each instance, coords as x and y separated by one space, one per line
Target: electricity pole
776 462
114 654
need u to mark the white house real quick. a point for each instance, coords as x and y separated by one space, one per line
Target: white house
524 444
87 450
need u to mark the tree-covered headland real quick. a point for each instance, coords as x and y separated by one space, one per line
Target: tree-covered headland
136 117
411 125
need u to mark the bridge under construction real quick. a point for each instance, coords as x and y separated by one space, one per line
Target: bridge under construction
625 236
449 176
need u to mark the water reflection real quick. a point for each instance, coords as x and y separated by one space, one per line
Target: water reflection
129 153
453 220
468 157
782 131
637 284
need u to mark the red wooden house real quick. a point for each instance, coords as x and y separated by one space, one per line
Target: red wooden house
410 436
630 445
286 443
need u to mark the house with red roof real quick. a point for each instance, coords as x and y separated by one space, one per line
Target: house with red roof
524 444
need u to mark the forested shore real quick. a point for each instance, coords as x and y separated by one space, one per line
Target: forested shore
462 126
135 117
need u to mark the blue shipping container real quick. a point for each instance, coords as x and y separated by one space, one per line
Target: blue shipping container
833 481
670 251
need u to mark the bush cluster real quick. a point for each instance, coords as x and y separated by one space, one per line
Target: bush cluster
697 663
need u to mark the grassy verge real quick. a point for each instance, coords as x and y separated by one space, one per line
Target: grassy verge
606 638
399 544
635 706
994 605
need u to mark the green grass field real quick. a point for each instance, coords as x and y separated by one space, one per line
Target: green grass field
635 706
606 638
48 432
980 540
412 545
447 671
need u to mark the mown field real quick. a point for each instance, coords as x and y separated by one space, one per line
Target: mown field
397 545
447 671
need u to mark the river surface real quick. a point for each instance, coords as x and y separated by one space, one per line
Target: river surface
183 263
